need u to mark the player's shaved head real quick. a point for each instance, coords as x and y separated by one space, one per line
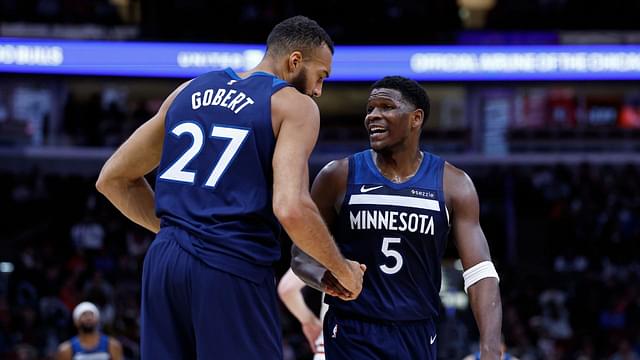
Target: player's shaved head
410 90
298 33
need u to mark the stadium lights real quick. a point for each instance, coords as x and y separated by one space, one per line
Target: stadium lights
6 267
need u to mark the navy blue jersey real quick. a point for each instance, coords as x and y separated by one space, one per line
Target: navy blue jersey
99 352
215 176
400 232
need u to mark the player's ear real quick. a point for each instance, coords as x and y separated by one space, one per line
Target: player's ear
417 118
295 61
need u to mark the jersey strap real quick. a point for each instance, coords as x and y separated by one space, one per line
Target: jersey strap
278 84
275 86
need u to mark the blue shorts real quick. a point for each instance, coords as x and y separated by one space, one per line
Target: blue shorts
347 337
192 311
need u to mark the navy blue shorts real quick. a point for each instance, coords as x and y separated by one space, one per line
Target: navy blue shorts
192 311
346 337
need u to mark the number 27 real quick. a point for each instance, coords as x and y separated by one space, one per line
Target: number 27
176 172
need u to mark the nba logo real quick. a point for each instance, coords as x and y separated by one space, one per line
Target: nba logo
335 332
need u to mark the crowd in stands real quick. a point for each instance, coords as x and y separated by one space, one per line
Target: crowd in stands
102 12
102 119
565 240
573 292
376 21
92 122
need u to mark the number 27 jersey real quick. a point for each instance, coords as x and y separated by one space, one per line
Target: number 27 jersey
399 231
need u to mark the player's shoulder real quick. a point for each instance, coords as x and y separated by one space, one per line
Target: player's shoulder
291 106
64 350
338 169
114 343
290 101
65 345
334 174
454 172
166 104
457 183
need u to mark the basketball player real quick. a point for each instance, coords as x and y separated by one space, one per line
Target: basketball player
290 292
231 151
391 208
90 343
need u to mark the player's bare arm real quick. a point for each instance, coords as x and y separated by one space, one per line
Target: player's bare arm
290 292
299 121
473 249
122 179
327 192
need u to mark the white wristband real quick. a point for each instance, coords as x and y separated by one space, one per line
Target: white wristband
477 272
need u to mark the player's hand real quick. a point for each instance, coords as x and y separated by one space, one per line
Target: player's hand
312 329
332 286
352 278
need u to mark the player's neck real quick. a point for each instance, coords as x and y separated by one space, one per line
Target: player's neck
398 165
266 65
89 339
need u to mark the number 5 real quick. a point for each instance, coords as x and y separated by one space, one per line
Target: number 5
391 253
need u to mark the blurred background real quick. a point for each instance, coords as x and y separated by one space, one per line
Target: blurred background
554 151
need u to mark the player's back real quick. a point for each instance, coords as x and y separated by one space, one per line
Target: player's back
399 231
215 176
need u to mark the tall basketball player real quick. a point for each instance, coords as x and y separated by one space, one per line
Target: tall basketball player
392 208
231 151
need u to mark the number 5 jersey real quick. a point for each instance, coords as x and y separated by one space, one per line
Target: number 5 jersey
399 231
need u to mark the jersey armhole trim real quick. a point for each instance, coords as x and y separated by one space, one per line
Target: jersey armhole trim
350 180
278 84
440 179
351 173
232 74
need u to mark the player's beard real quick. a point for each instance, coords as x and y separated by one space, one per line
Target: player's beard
299 82
87 328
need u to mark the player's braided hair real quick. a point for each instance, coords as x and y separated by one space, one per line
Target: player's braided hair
297 33
410 90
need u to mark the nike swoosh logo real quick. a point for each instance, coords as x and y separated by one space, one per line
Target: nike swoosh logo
364 189
432 339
